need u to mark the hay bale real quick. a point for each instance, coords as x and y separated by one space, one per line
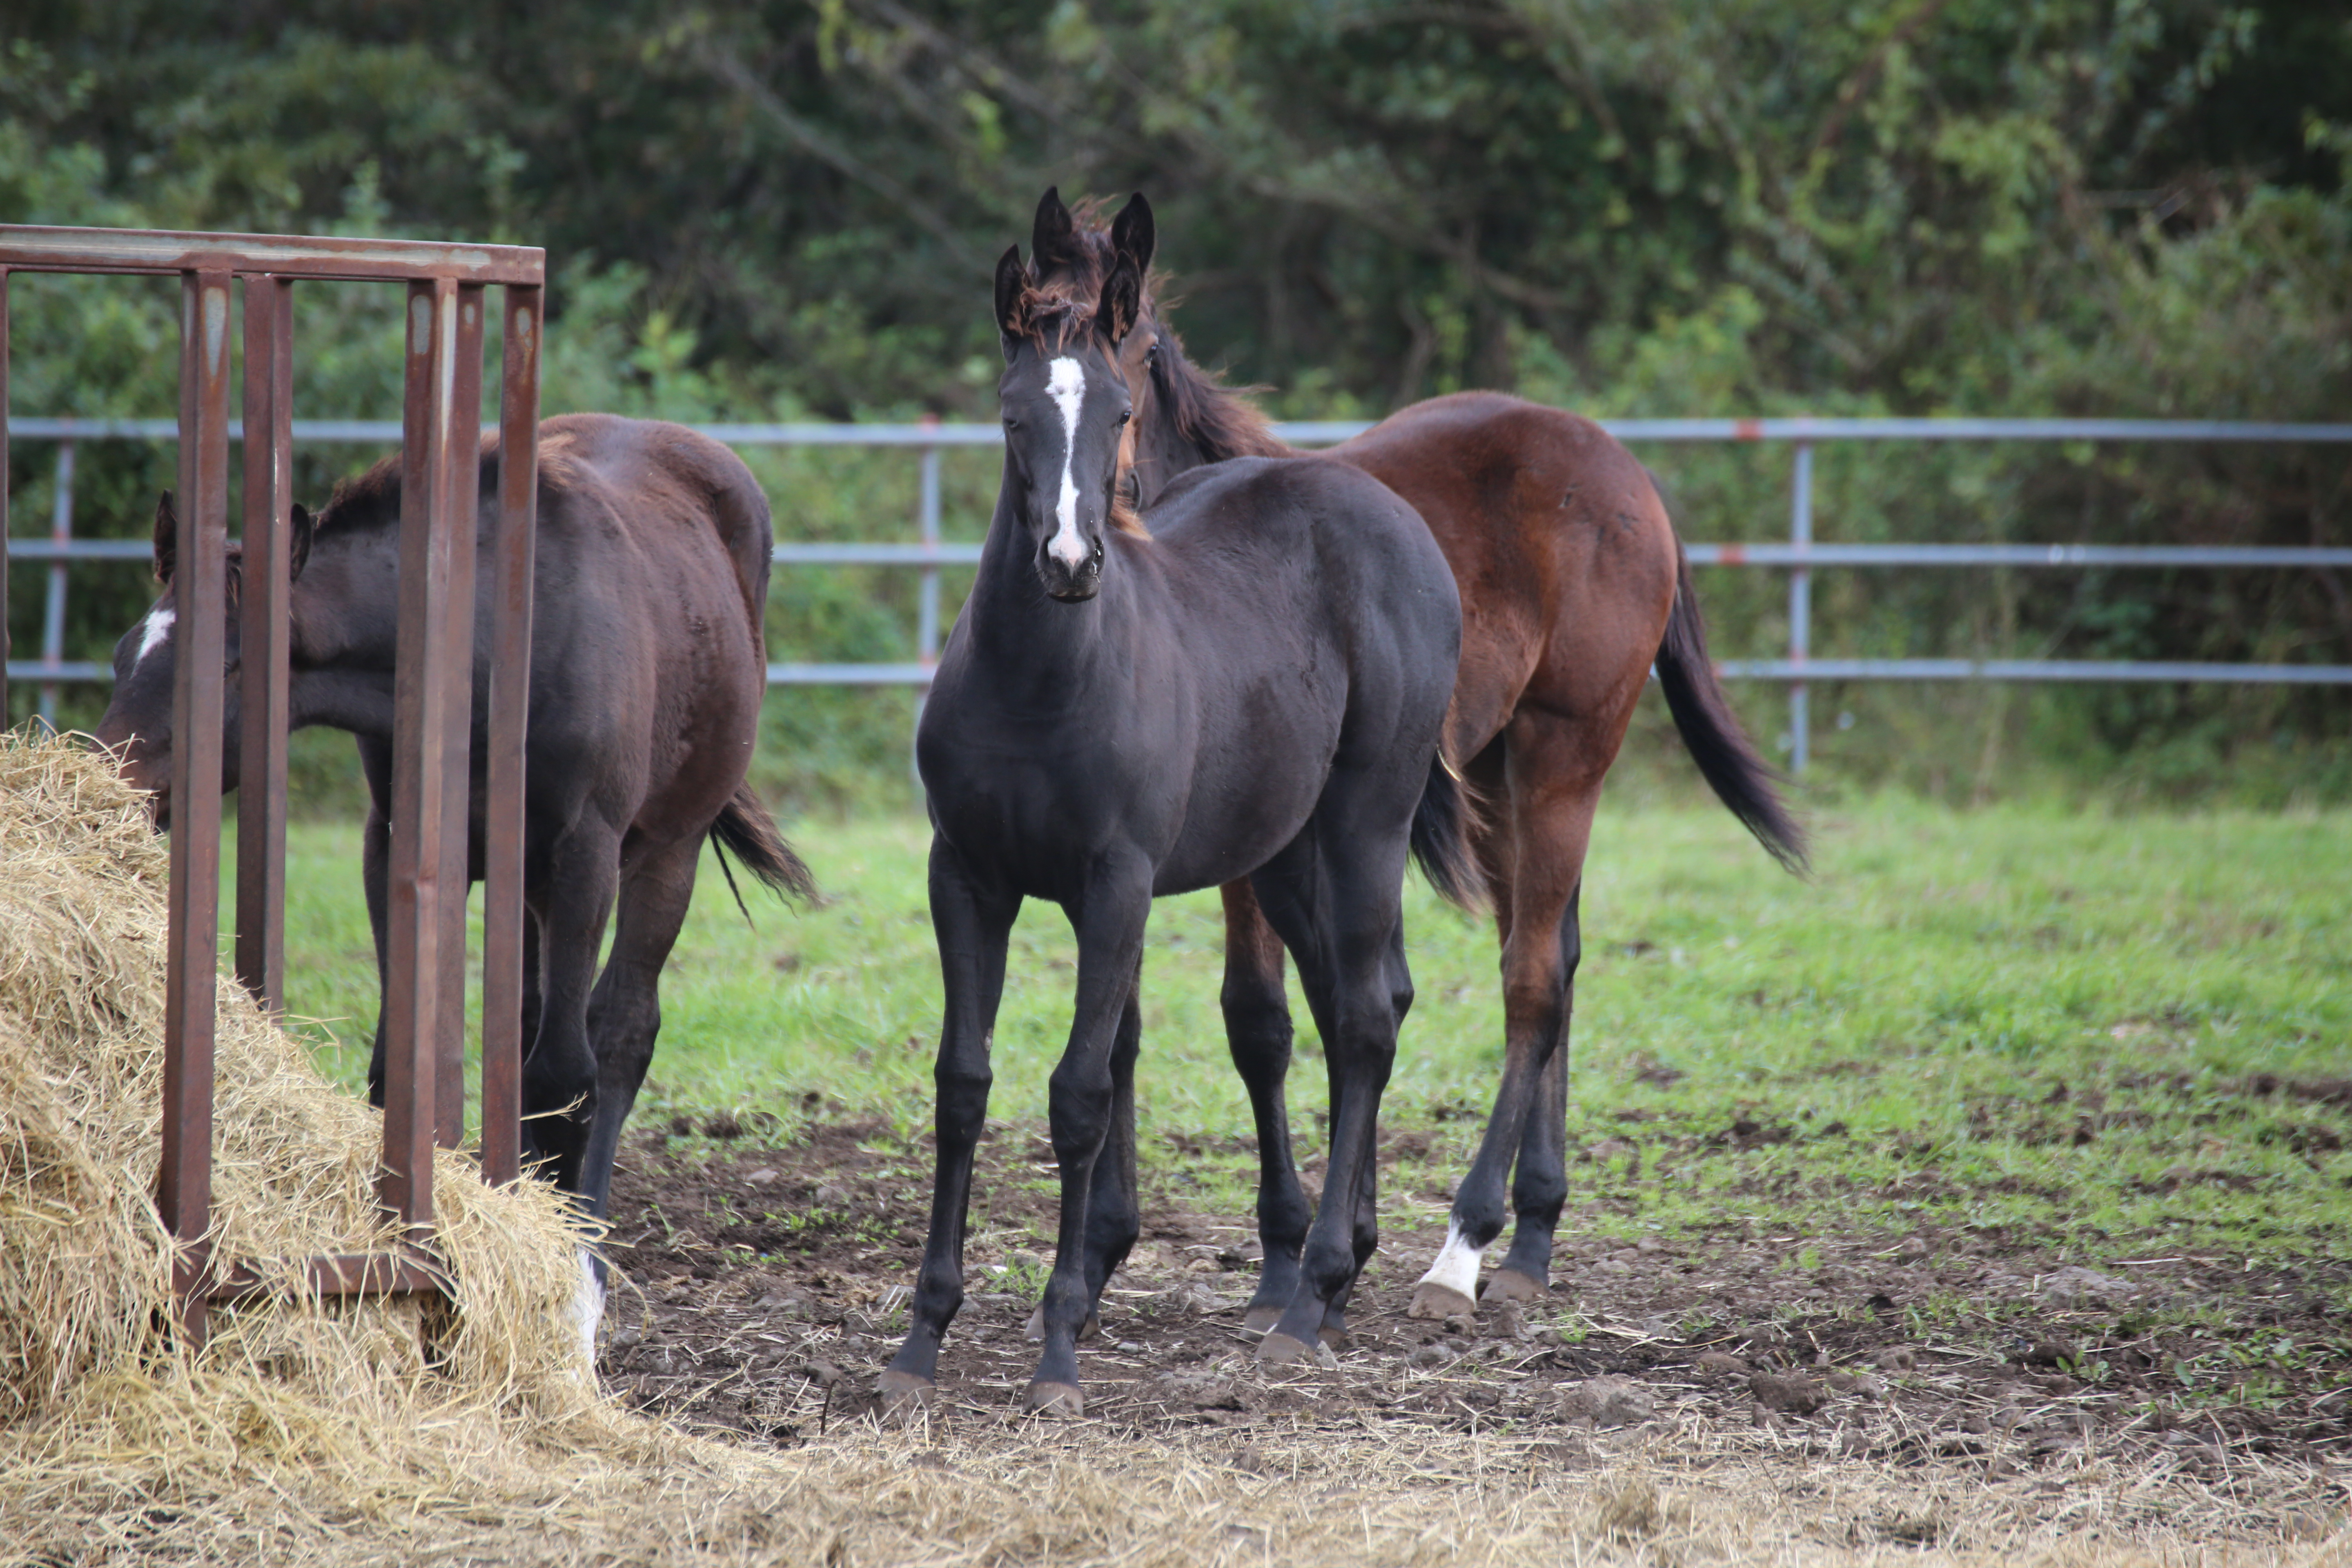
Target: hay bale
96 1401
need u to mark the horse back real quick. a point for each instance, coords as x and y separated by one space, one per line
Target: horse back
661 475
1563 549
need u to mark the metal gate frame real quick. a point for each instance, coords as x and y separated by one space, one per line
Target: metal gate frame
432 683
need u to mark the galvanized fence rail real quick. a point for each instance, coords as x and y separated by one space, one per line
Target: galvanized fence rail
1800 557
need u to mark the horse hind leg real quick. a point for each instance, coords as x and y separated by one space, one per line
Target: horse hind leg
1366 1236
1335 897
624 1008
1258 1035
558 1074
1539 1185
1552 800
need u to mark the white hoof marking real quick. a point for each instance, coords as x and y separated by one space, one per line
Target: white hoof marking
1456 1268
586 1312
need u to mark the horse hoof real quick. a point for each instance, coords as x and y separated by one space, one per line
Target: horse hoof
1281 1350
1440 1302
1034 1330
1258 1322
903 1393
1510 1285
1333 1338
1061 1399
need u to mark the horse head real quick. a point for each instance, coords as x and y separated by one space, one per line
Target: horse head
137 725
1066 409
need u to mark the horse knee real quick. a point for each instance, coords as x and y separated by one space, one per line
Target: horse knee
960 1103
1078 1113
1258 1030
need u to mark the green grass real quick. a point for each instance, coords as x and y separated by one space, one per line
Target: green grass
2032 1020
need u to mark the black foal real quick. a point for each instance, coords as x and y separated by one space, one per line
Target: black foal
1253 690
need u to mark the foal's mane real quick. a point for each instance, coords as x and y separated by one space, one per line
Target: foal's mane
1218 421
368 502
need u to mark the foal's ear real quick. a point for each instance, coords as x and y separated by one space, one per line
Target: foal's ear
167 539
1054 244
302 527
1122 302
1132 232
1012 283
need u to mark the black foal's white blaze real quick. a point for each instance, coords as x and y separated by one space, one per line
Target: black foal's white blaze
1065 382
1254 689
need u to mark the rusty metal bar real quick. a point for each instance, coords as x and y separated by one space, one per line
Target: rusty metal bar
3 497
514 561
340 1274
183 1184
412 1008
457 459
38 249
265 641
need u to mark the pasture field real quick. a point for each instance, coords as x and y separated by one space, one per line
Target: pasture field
2108 1032
1986 1193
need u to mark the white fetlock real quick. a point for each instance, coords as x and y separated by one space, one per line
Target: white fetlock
1456 1268
586 1312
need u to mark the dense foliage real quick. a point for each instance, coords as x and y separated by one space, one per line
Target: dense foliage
2062 207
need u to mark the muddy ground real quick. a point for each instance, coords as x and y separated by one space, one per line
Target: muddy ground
765 1282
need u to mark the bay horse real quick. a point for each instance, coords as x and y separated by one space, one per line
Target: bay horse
1574 588
647 669
1254 689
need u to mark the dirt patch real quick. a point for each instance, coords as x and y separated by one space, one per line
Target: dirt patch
766 1288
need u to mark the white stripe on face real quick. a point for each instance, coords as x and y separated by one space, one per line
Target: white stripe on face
158 626
1066 382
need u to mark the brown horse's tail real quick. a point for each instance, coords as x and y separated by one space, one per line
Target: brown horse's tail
1726 758
745 830
1441 836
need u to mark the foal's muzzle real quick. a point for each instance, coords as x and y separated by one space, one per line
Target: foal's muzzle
1071 585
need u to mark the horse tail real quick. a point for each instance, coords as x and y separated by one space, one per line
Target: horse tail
1441 836
744 828
1726 758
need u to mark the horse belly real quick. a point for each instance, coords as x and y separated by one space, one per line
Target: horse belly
1261 771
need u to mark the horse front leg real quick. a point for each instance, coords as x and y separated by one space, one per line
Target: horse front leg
972 925
1114 1212
1083 1102
1258 1034
375 881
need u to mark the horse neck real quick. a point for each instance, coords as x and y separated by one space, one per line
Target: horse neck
1192 423
345 629
1027 641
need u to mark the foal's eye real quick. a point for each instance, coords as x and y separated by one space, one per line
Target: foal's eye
1010 423
1125 415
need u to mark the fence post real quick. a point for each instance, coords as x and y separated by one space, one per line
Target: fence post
53 610
1800 607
